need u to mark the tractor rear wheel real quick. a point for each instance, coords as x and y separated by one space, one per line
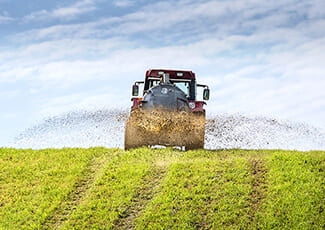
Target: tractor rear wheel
198 144
196 137
129 140
133 137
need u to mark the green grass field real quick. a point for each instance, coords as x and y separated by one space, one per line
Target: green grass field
145 188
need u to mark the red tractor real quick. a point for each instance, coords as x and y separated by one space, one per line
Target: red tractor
168 112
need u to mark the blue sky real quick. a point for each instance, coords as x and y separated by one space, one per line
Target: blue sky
259 57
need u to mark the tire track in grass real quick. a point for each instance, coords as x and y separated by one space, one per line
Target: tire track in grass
82 185
295 194
112 197
143 196
200 193
259 186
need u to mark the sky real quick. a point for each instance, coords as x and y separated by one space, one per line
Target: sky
261 58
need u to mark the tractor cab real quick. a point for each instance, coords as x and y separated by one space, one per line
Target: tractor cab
183 80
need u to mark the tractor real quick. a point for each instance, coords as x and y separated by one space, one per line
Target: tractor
168 112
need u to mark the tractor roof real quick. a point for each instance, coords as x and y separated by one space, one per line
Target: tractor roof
176 74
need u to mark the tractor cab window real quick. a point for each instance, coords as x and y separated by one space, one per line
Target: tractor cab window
153 82
184 86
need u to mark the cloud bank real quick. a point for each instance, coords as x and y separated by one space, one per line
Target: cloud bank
258 57
62 13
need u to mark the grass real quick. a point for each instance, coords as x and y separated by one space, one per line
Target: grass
100 188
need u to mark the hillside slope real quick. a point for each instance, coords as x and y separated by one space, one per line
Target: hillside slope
161 189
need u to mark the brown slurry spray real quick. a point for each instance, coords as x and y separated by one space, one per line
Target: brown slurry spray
165 128
105 127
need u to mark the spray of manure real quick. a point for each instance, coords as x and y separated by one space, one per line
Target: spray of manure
223 131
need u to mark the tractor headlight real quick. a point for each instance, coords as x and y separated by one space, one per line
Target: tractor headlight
191 105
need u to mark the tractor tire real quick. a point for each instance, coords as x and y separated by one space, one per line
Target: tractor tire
128 138
194 147
196 137
133 137
198 144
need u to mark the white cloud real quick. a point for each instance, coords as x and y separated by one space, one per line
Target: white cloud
80 101
123 3
196 20
8 116
255 57
9 94
5 18
278 82
63 13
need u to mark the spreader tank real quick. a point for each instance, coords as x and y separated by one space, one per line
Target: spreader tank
165 97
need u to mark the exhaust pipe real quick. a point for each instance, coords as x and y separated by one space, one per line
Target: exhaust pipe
165 78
